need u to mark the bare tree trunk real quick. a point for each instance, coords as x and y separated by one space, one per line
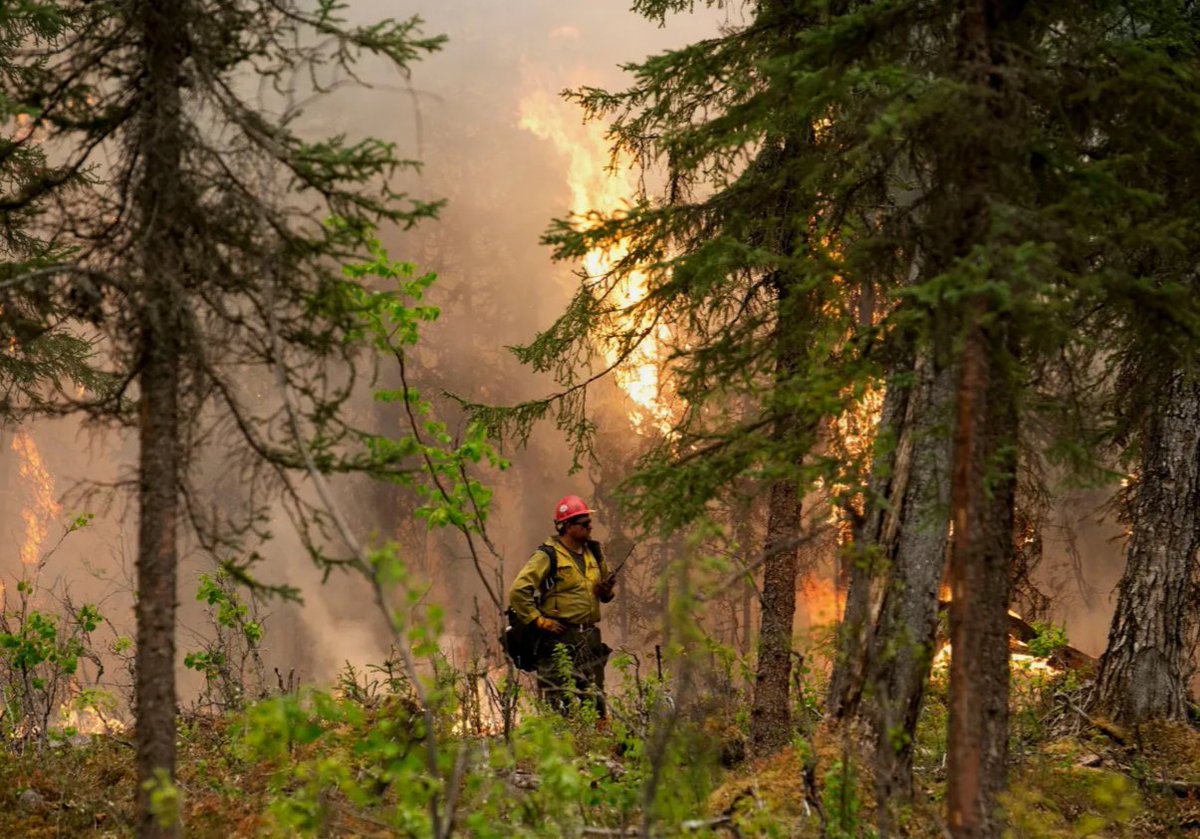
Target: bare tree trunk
1146 666
983 485
156 576
770 713
159 143
983 497
872 540
902 647
891 617
744 533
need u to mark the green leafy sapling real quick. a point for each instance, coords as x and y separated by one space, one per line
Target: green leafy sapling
230 660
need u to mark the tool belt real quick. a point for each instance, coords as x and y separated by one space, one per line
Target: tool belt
582 639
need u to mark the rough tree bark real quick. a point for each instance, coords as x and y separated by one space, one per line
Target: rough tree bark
891 622
983 497
159 142
770 713
783 225
983 483
873 538
901 649
1145 668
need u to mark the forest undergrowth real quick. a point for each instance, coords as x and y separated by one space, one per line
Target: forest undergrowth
354 760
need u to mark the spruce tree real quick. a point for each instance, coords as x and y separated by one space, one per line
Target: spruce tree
945 160
43 364
1150 325
739 266
212 231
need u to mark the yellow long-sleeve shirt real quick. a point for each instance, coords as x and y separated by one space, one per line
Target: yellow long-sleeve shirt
573 597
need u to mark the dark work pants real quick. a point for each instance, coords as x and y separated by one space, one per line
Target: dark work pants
588 656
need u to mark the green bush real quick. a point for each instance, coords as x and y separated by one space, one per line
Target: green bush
1049 639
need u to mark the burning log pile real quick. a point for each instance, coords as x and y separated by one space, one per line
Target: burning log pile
1021 634
1066 657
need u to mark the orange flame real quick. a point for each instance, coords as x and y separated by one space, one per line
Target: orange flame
42 507
823 600
93 712
858 426
596 187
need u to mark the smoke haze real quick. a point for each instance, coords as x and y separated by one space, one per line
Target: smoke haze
460 115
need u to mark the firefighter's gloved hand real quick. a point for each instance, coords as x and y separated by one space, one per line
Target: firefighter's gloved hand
550 625
604 589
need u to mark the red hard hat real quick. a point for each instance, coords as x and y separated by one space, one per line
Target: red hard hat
570 506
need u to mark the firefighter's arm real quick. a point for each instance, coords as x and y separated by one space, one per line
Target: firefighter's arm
522 596
605 588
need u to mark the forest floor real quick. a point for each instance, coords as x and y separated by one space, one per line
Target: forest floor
335 766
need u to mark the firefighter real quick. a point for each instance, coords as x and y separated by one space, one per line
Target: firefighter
566 609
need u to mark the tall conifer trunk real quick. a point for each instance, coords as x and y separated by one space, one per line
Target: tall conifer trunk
873 538
156 565
891 622
902 647
983 484
782 225
770 713
983 497
160 142
1144 671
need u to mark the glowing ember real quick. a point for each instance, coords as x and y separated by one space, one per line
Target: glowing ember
596 187
1019 662
42 507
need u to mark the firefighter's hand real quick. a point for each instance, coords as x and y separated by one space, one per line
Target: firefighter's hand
550 625
604 589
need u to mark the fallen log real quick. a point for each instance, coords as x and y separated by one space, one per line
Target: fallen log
1064 658
1021 632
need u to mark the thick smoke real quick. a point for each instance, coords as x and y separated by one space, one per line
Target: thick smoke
459 114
